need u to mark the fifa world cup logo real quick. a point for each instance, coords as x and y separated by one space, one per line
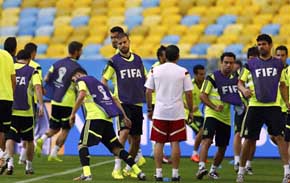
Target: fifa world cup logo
103 91
61 73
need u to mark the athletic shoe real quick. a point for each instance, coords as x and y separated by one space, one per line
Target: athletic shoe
117 174
29 172
9 170
240 178
166 160
129 173
141 161
213 175
236 167
201 172
38 147
54 158
3 168
195 158
175 179
141 176
158 179
21 162
249 171
83 178
286 179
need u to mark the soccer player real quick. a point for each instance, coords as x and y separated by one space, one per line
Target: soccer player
264 105
63 95
10 45
7 86
130 75
21 127
169 81
98 126
197 124
219 90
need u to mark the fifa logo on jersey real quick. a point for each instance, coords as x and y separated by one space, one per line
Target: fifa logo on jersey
20 80
266 72
61 73
130 73
103 92
230 89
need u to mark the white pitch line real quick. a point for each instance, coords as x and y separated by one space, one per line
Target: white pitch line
64 172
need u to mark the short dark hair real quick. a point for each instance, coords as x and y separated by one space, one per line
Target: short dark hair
253 51
197 67
227 54
282 47
122 34
239 62
172 53
10 44
74 46
23 55
117 29
30 47
80 70
264 37
160 50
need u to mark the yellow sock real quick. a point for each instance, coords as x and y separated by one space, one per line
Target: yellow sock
136 169
87 170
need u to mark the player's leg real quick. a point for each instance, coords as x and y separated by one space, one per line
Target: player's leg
197 127
5 122
237 140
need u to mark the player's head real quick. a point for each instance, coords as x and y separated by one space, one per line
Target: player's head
264 42
10 45
115 31
75 49
237 65
23 55
227 62
32 49
123 43
78 74
281 52
199 73
252 52
172 53
161 54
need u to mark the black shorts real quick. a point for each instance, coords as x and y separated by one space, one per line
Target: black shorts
59 117
287 129
255 118
21 129
5 115
197 124
222 132
135 114
239 121
96 131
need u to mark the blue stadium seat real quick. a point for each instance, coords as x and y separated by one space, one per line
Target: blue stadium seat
8 31
92 57
79 21
214 29
41 48
150 3
133 21
91 49
44 30
272 29
46 12
11 4
133 11
29 12
44 21
29 21
237 49
199 49
190 20
26 30
170 39
227 19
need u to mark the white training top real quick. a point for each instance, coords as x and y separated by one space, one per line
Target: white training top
169 81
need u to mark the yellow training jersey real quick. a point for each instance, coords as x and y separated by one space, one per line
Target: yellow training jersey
37 67
195 99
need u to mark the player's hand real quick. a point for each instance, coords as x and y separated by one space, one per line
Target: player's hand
219 108
247 93
72 120
40 110
127 122
194 108
190 118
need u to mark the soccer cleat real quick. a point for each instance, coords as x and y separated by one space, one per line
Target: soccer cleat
158 179
129 173
175 179
141 176
236 167
141 161
3 168
195 158
83 178
117 174
201 172
240 178
54 158
38 147
166 160
249 171
9 170
286 179
29 172
213 175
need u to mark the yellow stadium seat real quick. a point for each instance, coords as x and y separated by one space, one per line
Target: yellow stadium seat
207 20
210 39
247 46
46 3
197 10
184 49
136 39
118 20
279 40
252 29
152 20
215 50
243 19
145 50
107 51
59 39
63 30
116 11
11 21
20 46
225 3
116 3
285 9
184 6
83 30
189 39
227 39
23 39
196 29
98 20
284 30
273 9
79 38
64 4
281 19
56 51
205 2
96 39
29 3
251 10
169 10
41 39
159 30
234 29
84 11
263 3
132 3
98 30
10 12
82 3
99 11
153 39
140 30
63 12
234 10
99 4
215 11
247 39
151 11
263 19
171 19
178 30
62 20
168 4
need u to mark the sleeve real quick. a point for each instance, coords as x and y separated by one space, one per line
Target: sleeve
244 74
187 83
283 77
206 86
150 81
11 65
35 78
39 69
109 71
82 86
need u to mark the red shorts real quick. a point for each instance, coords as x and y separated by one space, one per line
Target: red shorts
168 131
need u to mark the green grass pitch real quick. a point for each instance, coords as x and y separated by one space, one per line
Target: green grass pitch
265 171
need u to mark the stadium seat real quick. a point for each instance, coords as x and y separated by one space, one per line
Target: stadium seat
8 31
46 12
43 21
245 19
169 10
116 20
82 3
133 21
215 50
233 29
226 19
83 11
133 3
284 30
205 2
225 3
214 29
46 3
139 30
168 3
281 19
41 39
263 19
184 49
197 10
95 39
107 51
62 20
56 51
151 11
29 21
41 48
23 39
190 20
8 22
227 39
184 6
79 21
133 11
26 30
252 29
285 9
272 9
151 3
171 19
196 29
11 4
279 39
44 31
272 29
29 12
178 30
30 3
170 39
58 39
151 20
210 39
246 39
199 49
207 20
189 39
237 49
234 10
91 49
